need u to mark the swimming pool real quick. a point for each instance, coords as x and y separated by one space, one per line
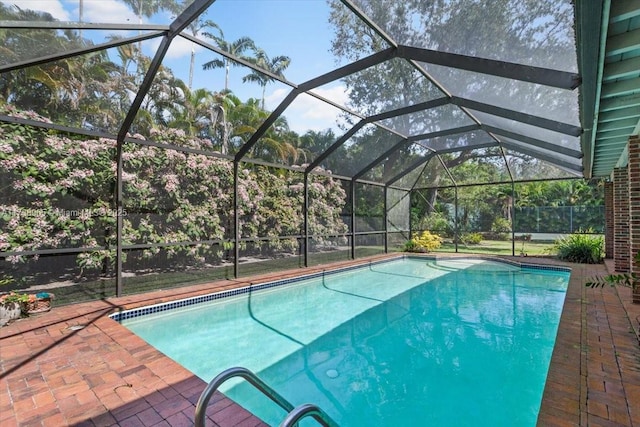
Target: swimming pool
402 342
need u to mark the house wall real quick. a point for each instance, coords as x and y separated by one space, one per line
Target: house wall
621 219
634 200
608 220
625 207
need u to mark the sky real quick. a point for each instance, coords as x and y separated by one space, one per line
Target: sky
295 28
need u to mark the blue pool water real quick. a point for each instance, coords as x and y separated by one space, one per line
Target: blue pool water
410 342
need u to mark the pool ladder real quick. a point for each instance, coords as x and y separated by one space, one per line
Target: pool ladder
293 416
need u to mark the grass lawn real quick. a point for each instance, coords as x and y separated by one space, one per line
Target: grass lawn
497 247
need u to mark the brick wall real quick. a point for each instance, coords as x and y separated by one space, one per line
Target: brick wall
634 199
608 220
621 220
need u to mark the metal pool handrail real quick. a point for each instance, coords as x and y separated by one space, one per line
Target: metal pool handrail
294 414
308 410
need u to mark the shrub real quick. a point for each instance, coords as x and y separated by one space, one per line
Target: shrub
435 221
469 238
581 248
524 237
425 242
495 236
499 229
411 246
501 225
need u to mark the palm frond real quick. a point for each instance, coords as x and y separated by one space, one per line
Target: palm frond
215 63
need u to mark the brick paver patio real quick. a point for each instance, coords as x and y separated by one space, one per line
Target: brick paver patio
74 366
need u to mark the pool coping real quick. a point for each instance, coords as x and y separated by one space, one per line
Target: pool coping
76 366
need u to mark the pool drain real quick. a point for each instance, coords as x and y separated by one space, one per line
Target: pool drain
332 373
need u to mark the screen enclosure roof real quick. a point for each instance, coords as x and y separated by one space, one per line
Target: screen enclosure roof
366 90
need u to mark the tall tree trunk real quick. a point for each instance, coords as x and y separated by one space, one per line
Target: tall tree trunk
192 64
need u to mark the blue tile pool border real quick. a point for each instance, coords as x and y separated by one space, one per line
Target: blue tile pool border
156 308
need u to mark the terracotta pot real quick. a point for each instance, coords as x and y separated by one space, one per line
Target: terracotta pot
39 305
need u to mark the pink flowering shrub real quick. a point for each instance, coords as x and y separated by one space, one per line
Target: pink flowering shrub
58 191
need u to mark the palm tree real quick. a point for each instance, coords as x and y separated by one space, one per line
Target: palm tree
197 25
193 114
280 143
147 8
223 106
235 48
275 66
316 142
241 120
166 95
128 55
76 91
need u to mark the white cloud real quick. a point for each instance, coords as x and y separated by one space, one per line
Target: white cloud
54 7
309 113
180 47
338 94
107 12
271 100
97 11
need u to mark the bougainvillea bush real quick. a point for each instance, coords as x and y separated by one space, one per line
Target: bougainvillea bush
58 191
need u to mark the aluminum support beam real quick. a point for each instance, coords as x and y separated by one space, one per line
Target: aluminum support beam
466 147
439 133
518 116
195 9
427 105
335 146
535 142
406 142
403 143
306 219
509 70
349 69
409 168
57 25
513 219
236 221
76 52
353 219
386 220
548 158
266 125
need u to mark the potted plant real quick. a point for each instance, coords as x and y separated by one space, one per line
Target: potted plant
11 303
14 304
37 303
